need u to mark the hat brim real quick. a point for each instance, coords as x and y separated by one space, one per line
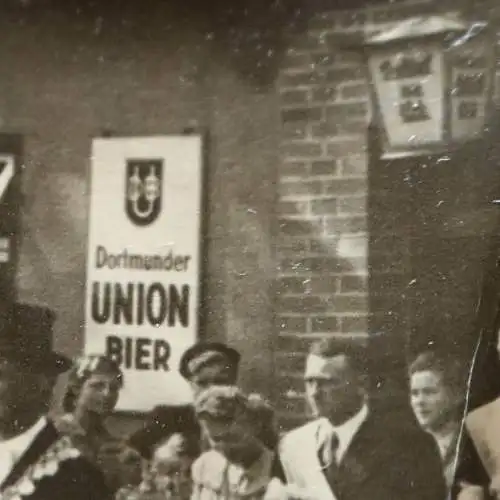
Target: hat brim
232 355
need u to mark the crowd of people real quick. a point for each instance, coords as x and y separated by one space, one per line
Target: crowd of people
227 444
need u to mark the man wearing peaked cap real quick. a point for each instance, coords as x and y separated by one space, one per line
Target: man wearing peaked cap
210 363
36 462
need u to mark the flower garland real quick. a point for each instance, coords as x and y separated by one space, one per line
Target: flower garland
46 466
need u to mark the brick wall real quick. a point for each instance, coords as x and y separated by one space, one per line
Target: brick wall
346 264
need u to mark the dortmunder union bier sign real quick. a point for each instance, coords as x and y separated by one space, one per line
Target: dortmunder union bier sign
143 265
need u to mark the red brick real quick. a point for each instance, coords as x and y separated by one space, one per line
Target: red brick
353 284
354 324
351 303
291 97
286 245
322 21
301 114
323 284
353 91
327 206
349 110
291 324
295 265
290 386
292 207
296 406
294 169
354 165
297 79
295 130
297 227
324 129
299 188
351 19
324 324
339 225
290 362
332 128
296 61
328 167
324 94
301 149
302 305
308 42
349 57
324 60
353 205
346 147
345 74
347 187
294 343
291 285
323 245
326 265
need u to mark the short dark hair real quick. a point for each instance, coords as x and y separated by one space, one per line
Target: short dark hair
452 371
332 346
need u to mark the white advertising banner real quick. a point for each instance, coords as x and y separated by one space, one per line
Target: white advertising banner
143 263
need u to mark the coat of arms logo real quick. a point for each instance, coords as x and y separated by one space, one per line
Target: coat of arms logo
143 190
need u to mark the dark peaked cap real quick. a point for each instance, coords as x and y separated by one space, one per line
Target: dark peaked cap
26 338
205 353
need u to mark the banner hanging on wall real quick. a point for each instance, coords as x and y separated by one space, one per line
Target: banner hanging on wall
143 263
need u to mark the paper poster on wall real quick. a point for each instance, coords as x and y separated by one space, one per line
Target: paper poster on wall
143 263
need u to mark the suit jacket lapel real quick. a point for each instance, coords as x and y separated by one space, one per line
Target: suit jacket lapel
352 469
317 471
44 439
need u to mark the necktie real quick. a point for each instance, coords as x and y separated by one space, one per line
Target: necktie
330 462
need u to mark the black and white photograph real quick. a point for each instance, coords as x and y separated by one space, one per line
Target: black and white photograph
250 250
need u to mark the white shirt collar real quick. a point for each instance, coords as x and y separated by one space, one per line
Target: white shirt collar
11 450
19 444
348 430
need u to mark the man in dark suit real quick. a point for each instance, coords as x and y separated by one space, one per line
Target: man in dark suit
347 452
36 463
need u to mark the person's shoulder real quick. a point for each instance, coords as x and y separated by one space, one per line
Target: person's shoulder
304 432
208 469
398 433
67 424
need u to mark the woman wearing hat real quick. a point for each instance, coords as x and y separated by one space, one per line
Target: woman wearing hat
91 395
239 465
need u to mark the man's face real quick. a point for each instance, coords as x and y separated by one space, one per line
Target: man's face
333 389
431 400
23 395
211 374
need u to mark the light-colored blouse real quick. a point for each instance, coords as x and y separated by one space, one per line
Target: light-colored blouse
215 478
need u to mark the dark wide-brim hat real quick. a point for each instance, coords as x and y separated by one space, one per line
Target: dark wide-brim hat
206 349
26 339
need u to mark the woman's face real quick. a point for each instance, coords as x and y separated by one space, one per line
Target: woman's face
431 400
171 468
99 393
233 438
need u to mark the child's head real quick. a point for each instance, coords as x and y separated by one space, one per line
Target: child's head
171 465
